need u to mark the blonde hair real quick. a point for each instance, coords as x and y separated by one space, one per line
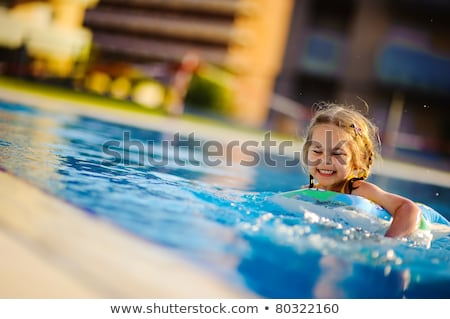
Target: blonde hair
366 144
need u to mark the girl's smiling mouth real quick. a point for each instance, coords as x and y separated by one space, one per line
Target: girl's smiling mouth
325 172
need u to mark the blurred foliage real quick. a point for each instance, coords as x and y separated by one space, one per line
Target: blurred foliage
211 88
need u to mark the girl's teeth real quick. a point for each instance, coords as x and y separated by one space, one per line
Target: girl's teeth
323 171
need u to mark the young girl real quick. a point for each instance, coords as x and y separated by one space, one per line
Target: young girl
339 150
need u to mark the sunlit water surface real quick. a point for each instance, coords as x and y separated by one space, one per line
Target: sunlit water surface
219 216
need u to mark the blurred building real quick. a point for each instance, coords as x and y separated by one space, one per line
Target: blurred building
275 58
393 55
243 39
239 46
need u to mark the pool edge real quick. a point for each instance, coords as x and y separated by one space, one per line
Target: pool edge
55 250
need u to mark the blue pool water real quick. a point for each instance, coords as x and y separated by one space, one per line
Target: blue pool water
219 216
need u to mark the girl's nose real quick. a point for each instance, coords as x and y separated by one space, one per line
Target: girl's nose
327 158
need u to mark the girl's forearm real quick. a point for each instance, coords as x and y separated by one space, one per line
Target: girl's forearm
405 220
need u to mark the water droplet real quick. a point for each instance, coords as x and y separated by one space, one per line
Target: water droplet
266 217
390 254
387 270
437 194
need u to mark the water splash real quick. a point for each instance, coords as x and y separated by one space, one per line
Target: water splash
215 218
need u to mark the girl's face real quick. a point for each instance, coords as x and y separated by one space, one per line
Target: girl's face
329 156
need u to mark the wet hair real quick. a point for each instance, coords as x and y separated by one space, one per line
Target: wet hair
365 143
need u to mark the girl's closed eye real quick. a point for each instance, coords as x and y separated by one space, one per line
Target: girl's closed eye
339 152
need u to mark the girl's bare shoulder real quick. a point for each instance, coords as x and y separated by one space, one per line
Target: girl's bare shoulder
366 189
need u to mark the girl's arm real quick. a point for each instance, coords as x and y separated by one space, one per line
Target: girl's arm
405 213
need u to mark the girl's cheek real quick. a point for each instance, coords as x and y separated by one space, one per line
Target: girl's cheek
312 160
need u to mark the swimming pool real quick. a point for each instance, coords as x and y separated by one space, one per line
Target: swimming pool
217 212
